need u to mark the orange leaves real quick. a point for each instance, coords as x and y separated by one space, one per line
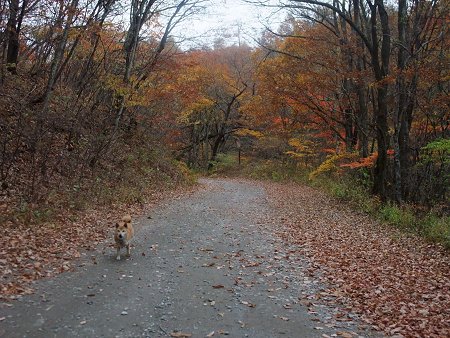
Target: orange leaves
365 162
362 162
329 150
299 84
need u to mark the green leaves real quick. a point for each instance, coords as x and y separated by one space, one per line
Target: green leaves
437 151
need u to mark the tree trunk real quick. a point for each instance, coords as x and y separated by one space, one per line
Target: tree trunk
13 36
59 53
380 64
381 168
221 132
217 143
360 87
363 135
399 119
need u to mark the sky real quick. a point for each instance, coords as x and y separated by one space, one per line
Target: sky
236 20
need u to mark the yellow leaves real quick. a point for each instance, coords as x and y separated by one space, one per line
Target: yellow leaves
300 145
184 117
191 75
115 83
203 104
254 107
131 96
294 154
295 142
330 164
249 132
302 148
302 79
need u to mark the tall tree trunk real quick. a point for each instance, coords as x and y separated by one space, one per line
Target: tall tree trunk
381 168
13 30
363 135
360 87
59 53
380 62
399 119
340 27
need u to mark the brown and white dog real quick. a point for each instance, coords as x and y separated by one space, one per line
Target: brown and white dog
123 234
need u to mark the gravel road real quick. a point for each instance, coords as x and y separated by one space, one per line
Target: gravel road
203 265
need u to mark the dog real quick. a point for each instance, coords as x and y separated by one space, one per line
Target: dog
123 234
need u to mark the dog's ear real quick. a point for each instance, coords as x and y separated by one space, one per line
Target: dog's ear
117 225
125 225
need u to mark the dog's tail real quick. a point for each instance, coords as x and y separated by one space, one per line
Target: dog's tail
126 219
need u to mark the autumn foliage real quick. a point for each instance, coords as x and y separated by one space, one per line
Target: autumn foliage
95 111
333 95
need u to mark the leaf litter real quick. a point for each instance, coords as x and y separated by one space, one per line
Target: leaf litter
31 252
395 282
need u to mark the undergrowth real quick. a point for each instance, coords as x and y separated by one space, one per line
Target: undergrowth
353 190
141 175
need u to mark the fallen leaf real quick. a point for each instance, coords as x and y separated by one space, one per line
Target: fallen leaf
248 303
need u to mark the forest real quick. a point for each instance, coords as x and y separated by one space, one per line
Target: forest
296 176
93 109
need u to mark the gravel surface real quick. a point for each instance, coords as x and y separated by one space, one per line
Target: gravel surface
203 265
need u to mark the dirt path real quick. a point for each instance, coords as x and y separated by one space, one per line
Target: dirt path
206 265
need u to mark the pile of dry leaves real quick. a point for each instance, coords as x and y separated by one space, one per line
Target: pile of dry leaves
397 283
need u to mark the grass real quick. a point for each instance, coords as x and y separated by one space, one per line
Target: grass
354 191
428 225
223 163
227 164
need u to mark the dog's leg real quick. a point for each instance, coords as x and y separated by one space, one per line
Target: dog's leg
128 249
118 253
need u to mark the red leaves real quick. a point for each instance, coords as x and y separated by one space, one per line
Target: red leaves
362 162
365 161
396 282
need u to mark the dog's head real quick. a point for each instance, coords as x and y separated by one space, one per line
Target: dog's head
122 230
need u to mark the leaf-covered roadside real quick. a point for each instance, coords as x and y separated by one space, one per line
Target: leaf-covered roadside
33 252
397 283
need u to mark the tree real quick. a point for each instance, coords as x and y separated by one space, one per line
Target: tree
17 13
379 51
211 90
